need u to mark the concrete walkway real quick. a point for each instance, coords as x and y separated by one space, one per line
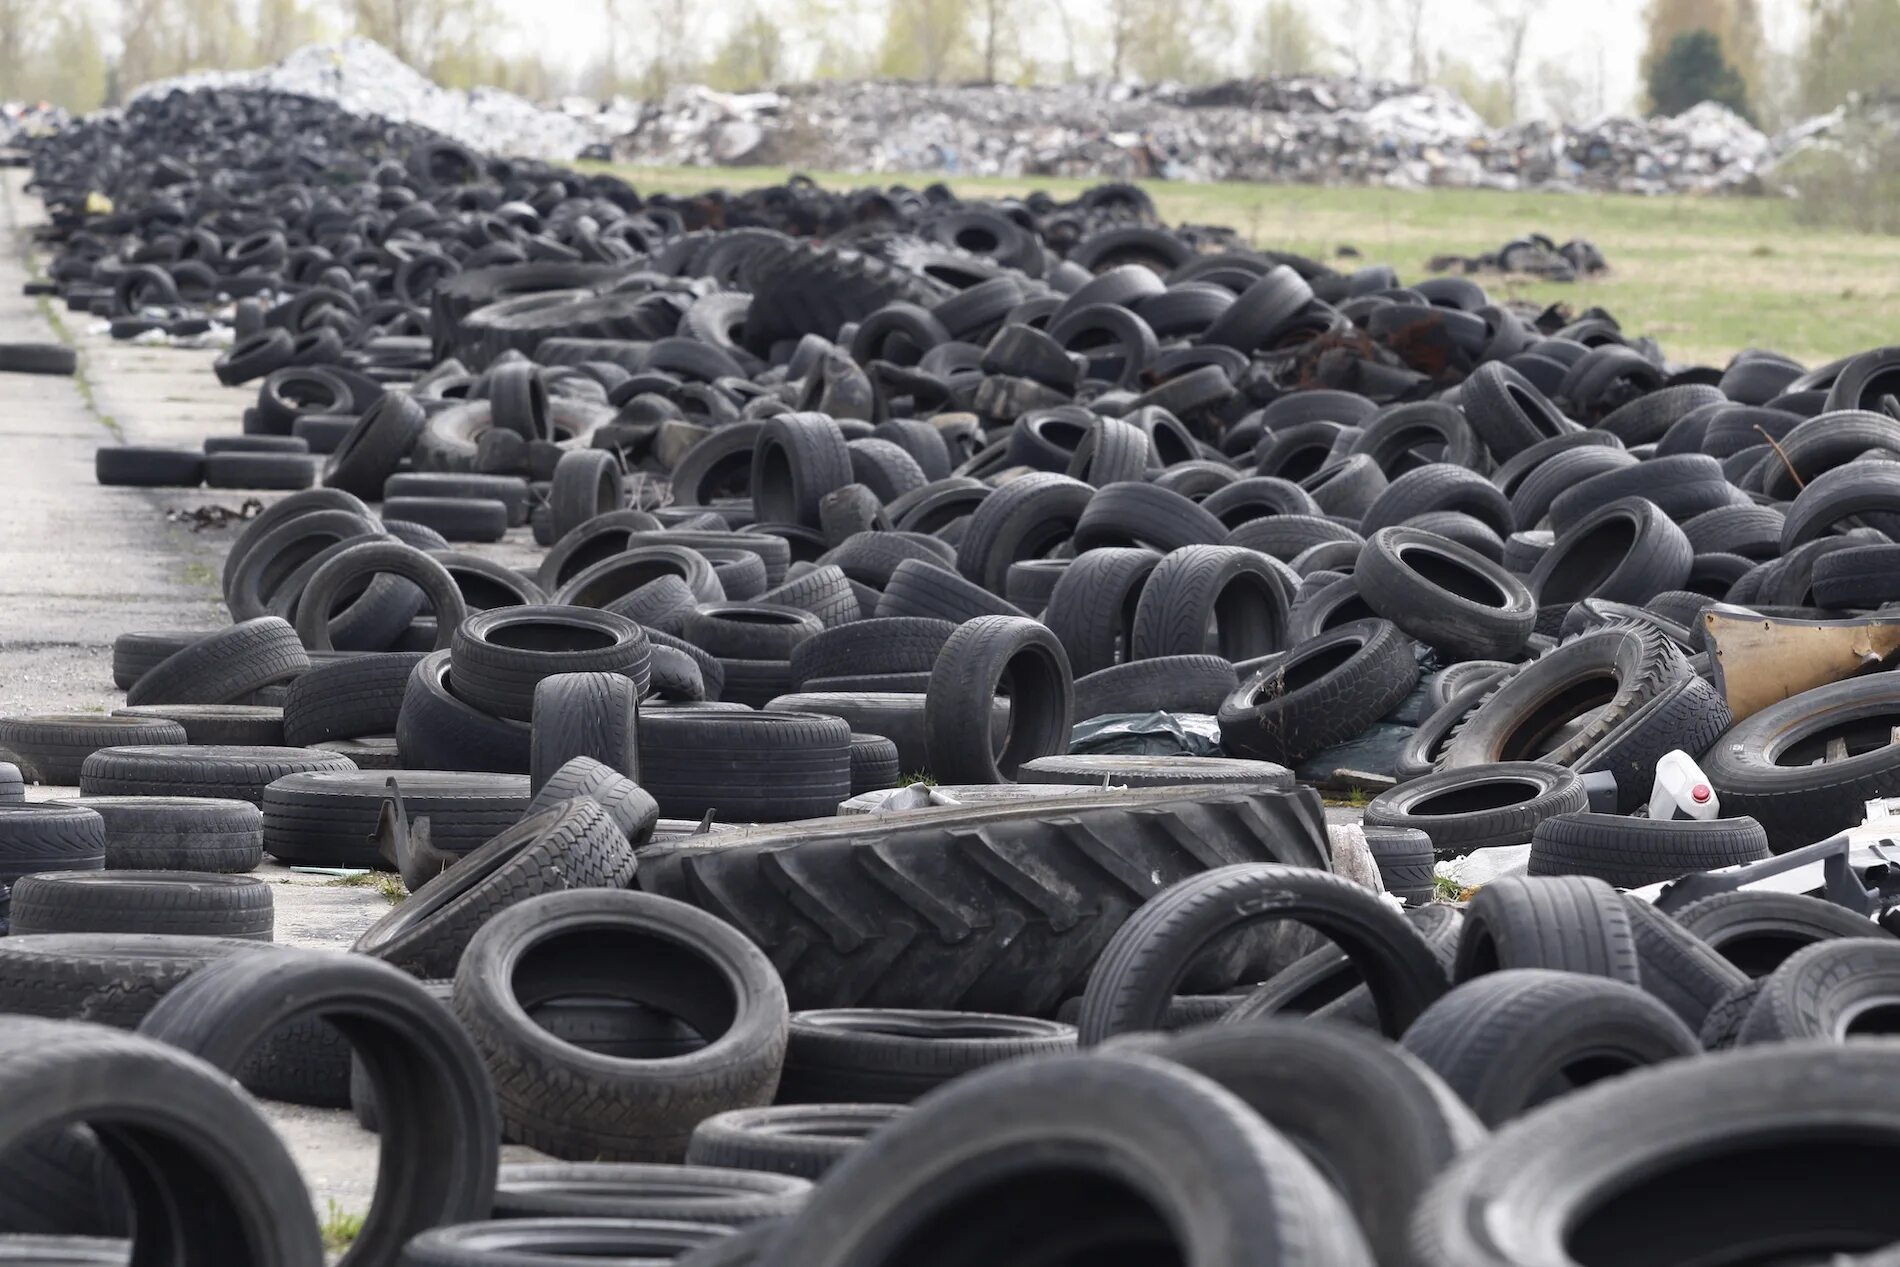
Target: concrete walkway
81 564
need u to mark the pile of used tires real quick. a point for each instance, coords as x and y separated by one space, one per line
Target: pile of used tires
835 489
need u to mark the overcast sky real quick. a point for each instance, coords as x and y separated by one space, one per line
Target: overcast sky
1599 37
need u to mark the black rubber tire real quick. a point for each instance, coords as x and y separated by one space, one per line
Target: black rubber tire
549 1240
49 837
178 902
1680 488
1244 1195
584 715
1325 691
1568 923
347 698
1627 551
184 770
435 730
1406 862
587 483
280 471
242 725
375 447
316 606
1163 684
1530 715
1198 588
1143 965
147 466
1296 1076
573 845
51 747
749 631
1679 968
1092 608
499 656
1447 596
37 358
1509 414
918 588
1724 1021
629 1190
875 764
199 1144
797 459
894 1056
1833 991
631 808
1758 930
329 819
803 1140
1510 1041
1630 853
1571 1165
225 667
985 657
455 518
747 767
887 645
570 1102
824 591
1869 492
158 833
1024 519
440 1130
136 654
1439 487
1029 930
1759 767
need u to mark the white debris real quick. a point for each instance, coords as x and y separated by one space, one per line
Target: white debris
367 79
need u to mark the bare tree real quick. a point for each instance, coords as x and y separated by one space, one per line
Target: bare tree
22 24
1419 57
1514 19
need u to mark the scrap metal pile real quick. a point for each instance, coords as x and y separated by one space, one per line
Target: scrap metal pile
640 548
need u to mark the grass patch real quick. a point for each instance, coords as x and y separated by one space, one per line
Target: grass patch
340 1227
1446 889
1351 797
919 777
1707 276
384 882
200 575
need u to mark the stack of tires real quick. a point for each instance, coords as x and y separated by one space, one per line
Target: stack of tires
641 548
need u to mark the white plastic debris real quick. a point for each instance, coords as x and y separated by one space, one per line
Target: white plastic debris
1482 866
1681 789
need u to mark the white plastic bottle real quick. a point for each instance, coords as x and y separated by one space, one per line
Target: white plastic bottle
1682 790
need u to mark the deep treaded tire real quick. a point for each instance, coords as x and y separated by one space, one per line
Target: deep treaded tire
225 667
999 908
571 846
1325 691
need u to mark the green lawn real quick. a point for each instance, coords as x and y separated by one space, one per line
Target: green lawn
1706 276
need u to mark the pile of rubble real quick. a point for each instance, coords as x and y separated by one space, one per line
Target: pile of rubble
1306 130
364 78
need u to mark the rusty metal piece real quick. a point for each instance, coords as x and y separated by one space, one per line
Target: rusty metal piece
1760 660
